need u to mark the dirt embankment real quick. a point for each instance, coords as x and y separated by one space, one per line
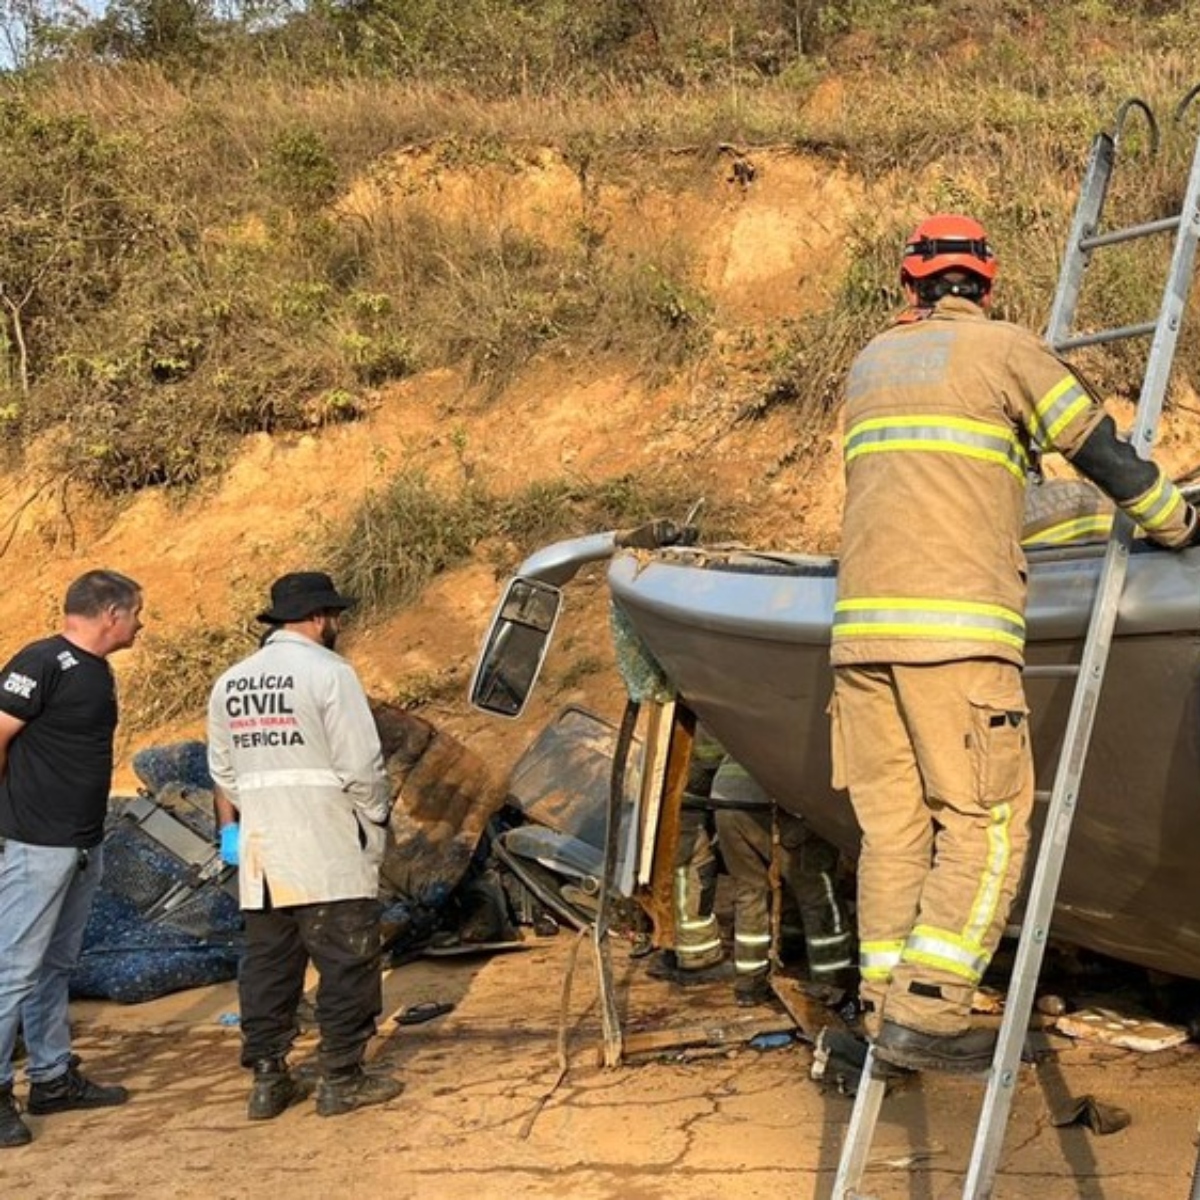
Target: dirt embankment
475 1121
765 252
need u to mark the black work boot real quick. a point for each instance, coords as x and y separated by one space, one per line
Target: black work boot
668 967
275 1090
344 1091
751 990
72 1090
963 1053
839 1057
13 1131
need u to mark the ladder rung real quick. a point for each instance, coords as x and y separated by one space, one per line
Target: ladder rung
1164 225
1107 335
1052 671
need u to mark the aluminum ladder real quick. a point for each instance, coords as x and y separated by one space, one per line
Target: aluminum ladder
1085 237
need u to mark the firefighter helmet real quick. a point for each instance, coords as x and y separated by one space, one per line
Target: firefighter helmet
947 242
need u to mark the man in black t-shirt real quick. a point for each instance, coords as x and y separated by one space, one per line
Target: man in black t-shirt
58 714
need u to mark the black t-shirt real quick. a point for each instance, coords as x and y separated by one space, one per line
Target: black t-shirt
55 789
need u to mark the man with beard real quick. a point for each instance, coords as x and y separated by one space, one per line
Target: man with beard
303 801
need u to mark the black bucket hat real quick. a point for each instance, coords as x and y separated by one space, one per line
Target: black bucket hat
297 596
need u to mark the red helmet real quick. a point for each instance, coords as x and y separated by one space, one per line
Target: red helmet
945 242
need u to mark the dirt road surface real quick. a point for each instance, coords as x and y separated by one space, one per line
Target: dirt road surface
481 1118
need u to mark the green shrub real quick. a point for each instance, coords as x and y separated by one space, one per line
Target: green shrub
404 535
181 262
401 537
175 674
301 171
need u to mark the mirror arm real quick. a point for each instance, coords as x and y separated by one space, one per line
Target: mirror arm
559 563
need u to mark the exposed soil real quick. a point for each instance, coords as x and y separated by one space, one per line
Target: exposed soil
482 1117
740 1123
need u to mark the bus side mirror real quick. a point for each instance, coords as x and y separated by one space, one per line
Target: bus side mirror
515 647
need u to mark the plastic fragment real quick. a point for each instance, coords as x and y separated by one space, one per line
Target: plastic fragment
771 1041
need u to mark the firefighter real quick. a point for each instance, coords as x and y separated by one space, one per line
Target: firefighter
928 717
761 845
698 946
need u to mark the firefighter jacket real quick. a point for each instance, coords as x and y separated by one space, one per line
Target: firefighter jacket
942 412
293 745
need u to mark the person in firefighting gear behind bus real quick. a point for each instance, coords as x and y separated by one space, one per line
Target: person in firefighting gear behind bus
928 715
302 800
697 951
766 850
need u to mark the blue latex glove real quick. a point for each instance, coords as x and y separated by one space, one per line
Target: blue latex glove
229 844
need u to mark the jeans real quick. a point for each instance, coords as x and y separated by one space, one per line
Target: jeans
46 897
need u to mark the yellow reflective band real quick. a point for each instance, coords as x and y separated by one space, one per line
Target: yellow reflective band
832 910
1058 408
1081 529
945 951
987 898
1157 506
948 632
936 433
836 939
830 953
891 947
955 620
928 604
876 960
691 949
831 968
752 939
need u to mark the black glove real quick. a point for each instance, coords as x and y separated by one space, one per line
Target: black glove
652 535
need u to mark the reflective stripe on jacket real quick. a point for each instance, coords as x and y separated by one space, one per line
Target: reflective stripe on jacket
1060 512
292 743
940 416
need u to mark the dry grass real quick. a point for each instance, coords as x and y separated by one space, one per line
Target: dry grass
175 674
401 537
230 286
408 532
263 302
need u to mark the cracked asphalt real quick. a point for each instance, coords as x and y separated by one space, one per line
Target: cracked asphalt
485 1115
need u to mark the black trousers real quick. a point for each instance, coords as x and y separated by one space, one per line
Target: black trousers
341 937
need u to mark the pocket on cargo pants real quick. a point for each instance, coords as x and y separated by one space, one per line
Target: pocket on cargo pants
837 745
1000 755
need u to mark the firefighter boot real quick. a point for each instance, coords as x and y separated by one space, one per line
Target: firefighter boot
13 1131
962 1053
71 1090
275 1090
343 1091
752 989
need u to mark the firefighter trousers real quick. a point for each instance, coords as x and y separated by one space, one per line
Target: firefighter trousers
938 764
807 866
697 934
